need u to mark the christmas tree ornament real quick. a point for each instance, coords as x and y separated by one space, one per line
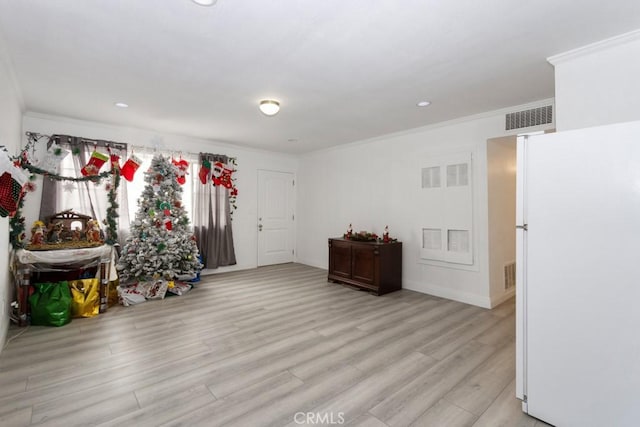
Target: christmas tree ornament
130 167
94 164
181 170
205 171
52 158
165 206
168 224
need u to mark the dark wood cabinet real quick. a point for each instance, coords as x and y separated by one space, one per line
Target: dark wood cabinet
369 265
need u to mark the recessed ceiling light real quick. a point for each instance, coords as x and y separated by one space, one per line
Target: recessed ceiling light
121 105
423 103
205 2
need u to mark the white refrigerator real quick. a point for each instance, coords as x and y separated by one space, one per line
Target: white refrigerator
578 276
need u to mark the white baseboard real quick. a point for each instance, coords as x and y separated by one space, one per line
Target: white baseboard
321 265
452 294
502 298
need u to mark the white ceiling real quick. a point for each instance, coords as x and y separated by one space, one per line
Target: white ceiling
342 70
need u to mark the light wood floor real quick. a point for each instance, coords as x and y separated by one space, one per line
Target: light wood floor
257 347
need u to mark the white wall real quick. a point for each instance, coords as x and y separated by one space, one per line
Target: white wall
249 161
377 182
598 84
10 128
501 186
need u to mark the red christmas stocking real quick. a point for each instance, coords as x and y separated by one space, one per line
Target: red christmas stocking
181 173
12 182
94 164
205 169
130 167
226 178
115 159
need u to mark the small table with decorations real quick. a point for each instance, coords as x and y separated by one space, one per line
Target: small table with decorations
25 262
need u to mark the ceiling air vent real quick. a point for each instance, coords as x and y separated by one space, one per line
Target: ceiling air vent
527 118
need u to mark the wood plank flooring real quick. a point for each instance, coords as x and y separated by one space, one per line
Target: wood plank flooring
275 346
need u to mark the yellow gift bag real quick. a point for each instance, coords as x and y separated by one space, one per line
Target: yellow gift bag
112 293
85 297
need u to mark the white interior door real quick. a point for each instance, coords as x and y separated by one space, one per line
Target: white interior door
275 217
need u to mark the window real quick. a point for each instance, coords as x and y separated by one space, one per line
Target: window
135 187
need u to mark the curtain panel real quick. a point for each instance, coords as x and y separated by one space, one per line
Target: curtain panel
212 218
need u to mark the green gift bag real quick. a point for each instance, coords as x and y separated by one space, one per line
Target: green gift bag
50 304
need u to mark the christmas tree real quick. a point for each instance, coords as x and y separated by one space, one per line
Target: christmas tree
161 243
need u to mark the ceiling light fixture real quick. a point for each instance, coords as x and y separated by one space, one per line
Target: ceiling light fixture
269 107
205 2
121 105
423 103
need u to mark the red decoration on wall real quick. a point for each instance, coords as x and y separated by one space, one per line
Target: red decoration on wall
182 166
222 175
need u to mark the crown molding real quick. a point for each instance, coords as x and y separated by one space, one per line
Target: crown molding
433 126
151 136
594 47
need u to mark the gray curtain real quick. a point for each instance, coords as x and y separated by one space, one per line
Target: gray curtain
212 218
84 197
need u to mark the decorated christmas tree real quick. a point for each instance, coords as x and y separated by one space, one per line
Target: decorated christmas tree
161 244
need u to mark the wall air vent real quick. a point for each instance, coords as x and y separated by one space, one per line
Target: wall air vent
509 275
527 118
